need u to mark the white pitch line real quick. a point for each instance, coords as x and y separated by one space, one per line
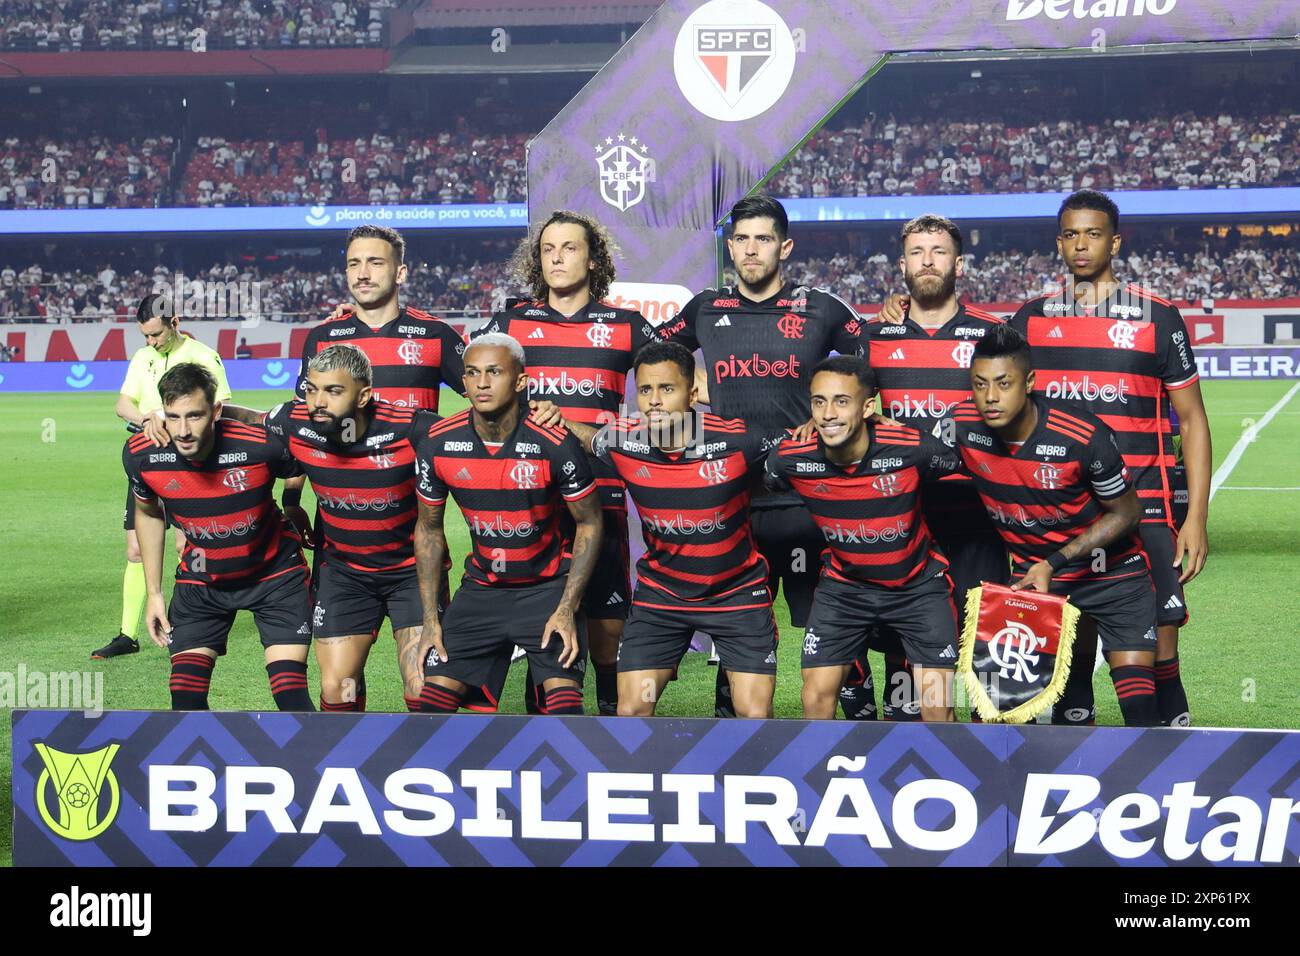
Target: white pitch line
1256 488
1245 441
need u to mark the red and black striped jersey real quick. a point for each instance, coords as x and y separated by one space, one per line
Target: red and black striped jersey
411 356
1046 493
869 513
234 533
1119 360
509 496
922 375
759 355
581 361
694 510
365 489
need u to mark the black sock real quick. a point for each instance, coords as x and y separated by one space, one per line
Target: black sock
190 680
1171 698
722 705
436 699
607 690
858 695
532 694
343 707
563 700
1077 706
1136 689
412 704
900 704
289 685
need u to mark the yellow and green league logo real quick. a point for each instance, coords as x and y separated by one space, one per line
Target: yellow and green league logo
78 780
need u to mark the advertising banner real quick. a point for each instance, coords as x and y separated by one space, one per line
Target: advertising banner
136 788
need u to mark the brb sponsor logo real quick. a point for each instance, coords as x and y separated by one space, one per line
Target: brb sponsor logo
755 367
1085 9
733 59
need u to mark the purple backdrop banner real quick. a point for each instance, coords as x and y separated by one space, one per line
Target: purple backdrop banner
706 99
140 788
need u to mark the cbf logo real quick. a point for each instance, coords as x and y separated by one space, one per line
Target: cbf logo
624 168
733 59
79 781
1048 475
887 485
411 352
963 353
714 472
791 325
1014 649
524 475
1123 335
600 336
236 479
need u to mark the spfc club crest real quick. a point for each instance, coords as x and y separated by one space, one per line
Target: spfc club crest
625 167
734 56
1015 651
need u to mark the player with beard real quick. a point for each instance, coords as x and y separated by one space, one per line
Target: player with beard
524 577
359 453
1125 355
922 368
760 341
579 354
216 477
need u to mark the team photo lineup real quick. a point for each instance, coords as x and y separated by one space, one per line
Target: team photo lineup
768 439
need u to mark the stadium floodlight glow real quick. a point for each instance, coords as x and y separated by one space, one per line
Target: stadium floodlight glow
739 85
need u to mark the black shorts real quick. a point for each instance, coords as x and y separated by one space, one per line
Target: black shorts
1159 540
920 616
790 541
1125 610
128 513
355 602
202 615
658 634
608 590
483 626
972 559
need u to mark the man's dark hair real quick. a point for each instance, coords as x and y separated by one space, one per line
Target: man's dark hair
371 231
526 263
1090 199
931 223
757 206
186 379
852 365
675 352
1004 341
156 305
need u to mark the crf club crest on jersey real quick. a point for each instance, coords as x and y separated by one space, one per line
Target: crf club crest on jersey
1015 651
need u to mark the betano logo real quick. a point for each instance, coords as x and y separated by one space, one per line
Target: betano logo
1086 9
78 780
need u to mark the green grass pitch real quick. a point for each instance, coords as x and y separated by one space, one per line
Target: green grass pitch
61 547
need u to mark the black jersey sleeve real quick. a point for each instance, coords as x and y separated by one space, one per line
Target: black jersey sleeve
1105 465
681 328
453 358
131 465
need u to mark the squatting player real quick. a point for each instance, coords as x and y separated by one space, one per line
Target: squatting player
137 402
760 340
523 585
579 352
1125 355
216 478
862 483
690 475
922 368
359 453
1054 482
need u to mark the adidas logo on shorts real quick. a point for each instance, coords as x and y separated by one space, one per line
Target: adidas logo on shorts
304 629
723 322
948 654
770 659
1173 603
615 598
897 355
536 334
